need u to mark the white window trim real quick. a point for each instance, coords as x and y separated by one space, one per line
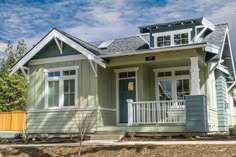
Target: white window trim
171 34
117 71
61 85
172 78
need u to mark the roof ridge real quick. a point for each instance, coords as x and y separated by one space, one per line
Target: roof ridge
79 39
115 39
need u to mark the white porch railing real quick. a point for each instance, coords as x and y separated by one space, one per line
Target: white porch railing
153 112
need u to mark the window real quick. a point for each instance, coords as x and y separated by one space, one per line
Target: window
164 74
182 88
173 84
123 75
181 39
53 93
172 38
61 87
163 41
165 91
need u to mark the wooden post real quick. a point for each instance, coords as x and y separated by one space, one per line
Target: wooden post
130 112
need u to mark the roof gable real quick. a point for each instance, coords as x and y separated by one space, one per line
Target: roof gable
76 44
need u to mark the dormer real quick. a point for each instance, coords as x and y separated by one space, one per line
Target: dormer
178 33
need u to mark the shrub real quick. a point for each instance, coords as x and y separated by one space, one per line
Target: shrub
232 130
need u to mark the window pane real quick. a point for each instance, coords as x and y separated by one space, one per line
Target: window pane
163 41
72 99
123 75
184 35
54 74
181 39
66 99
165 92
164 74
53 93
160 38
69 92
66 86
69 72
160 44
131 74
182 72
167 37
182 89
72 85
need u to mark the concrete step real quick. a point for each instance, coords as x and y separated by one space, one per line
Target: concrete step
107 137
110 132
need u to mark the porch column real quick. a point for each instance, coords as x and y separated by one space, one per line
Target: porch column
195 81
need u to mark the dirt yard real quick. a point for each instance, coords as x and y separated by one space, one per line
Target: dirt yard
124 151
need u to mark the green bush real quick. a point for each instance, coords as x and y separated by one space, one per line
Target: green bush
232 131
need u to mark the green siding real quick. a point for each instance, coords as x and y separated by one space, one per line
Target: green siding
51 50
221 89
86 86
59 122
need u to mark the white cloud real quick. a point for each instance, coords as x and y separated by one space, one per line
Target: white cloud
106 19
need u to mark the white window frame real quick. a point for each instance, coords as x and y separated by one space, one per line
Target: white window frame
172 33
61 79
172 78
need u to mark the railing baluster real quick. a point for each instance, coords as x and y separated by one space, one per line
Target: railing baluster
151 112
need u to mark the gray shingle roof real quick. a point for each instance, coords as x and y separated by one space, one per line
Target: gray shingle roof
128 44
84 44
217 38
135 43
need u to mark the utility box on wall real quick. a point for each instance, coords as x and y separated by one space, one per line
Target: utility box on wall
196 113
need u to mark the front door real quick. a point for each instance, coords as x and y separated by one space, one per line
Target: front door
127 90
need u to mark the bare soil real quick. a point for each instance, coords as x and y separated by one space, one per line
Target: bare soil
124 151
43 140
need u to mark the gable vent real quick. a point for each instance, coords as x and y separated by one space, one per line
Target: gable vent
105 44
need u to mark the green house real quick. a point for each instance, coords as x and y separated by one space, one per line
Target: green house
171 77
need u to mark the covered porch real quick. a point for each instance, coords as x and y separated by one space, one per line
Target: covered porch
150 91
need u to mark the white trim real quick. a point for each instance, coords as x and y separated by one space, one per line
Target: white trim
208 24
171 34
195 78
59 45
57 59
231 52
72 109
172 78
93 67
117 71
26 72
197 27
126 69
47 39
61 79
141 37
221 68
212 49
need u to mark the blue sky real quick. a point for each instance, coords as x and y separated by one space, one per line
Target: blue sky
93 20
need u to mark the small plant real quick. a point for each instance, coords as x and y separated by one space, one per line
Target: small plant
232 131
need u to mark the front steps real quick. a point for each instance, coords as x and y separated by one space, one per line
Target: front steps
108 135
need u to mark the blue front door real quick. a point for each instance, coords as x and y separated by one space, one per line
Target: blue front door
127 90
